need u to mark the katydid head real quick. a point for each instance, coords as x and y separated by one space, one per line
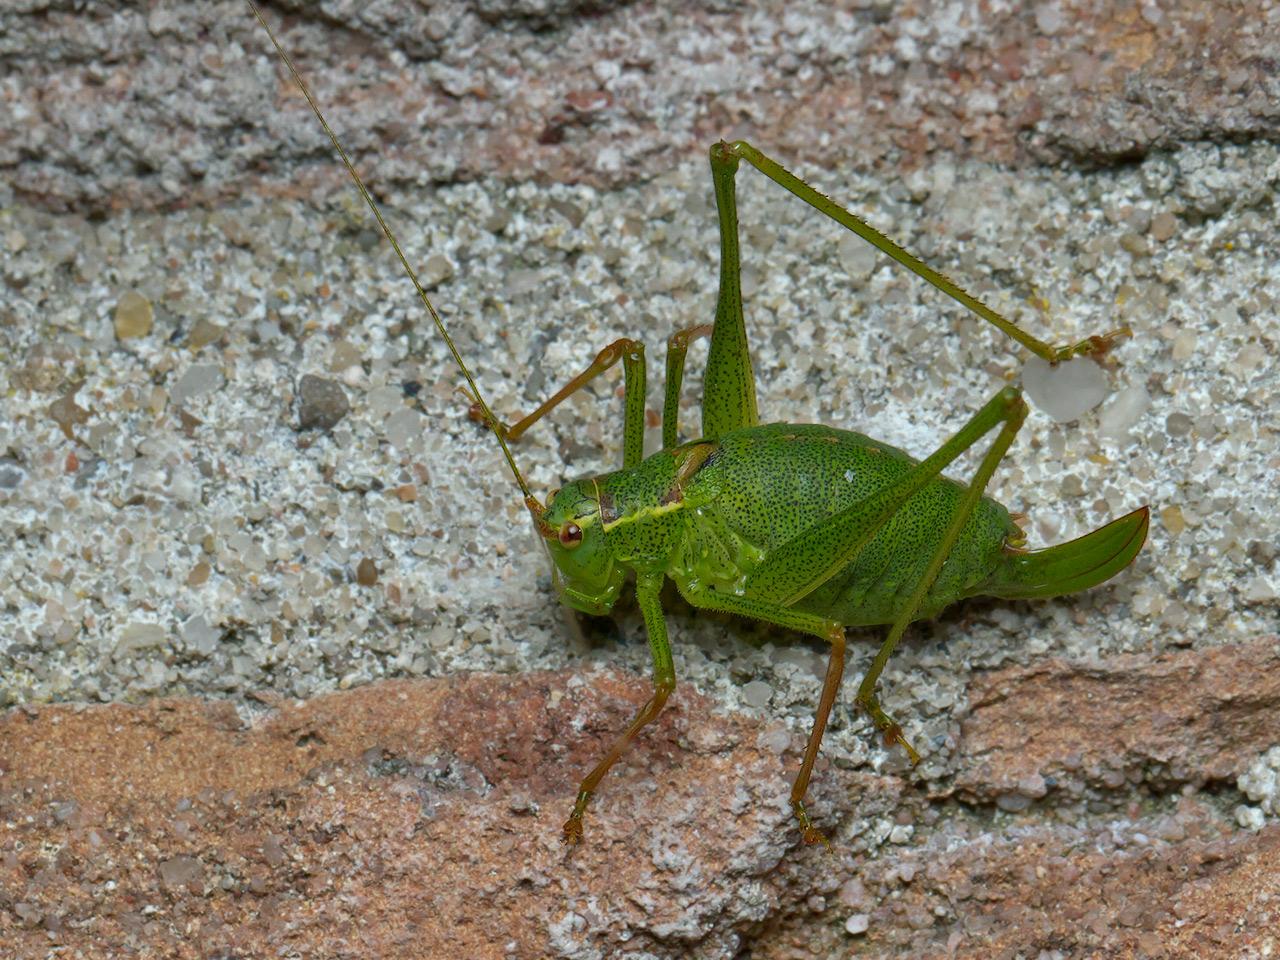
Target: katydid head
583 568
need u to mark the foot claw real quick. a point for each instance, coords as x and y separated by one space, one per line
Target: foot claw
893 737
888 728
813 835
476 413
1097 346
572 835
808 832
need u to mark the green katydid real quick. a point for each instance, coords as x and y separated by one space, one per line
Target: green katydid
806 527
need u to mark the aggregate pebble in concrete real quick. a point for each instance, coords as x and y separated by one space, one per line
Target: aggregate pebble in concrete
322 403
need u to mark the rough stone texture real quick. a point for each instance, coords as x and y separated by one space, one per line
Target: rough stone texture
420 819
403 819
605 92
166 531
1188 717
1174 886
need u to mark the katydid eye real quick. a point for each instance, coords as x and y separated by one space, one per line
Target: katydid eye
570 535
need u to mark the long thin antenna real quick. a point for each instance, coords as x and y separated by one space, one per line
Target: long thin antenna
535 507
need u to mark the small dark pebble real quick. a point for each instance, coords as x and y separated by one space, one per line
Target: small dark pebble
11 473
411 388
366 573
322 403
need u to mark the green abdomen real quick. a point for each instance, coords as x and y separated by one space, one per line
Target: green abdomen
769 484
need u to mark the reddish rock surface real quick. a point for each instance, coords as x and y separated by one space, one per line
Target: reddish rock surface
404 819
173 104
1184 892
421 819
1185 717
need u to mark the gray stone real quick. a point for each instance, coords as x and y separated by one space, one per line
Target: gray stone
322 403
178 872
196 381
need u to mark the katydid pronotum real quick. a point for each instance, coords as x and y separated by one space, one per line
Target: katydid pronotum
804 526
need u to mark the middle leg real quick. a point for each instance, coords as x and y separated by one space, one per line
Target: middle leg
677 347
664 681
828 630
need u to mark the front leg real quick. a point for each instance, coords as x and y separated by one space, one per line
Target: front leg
631 353
664 681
